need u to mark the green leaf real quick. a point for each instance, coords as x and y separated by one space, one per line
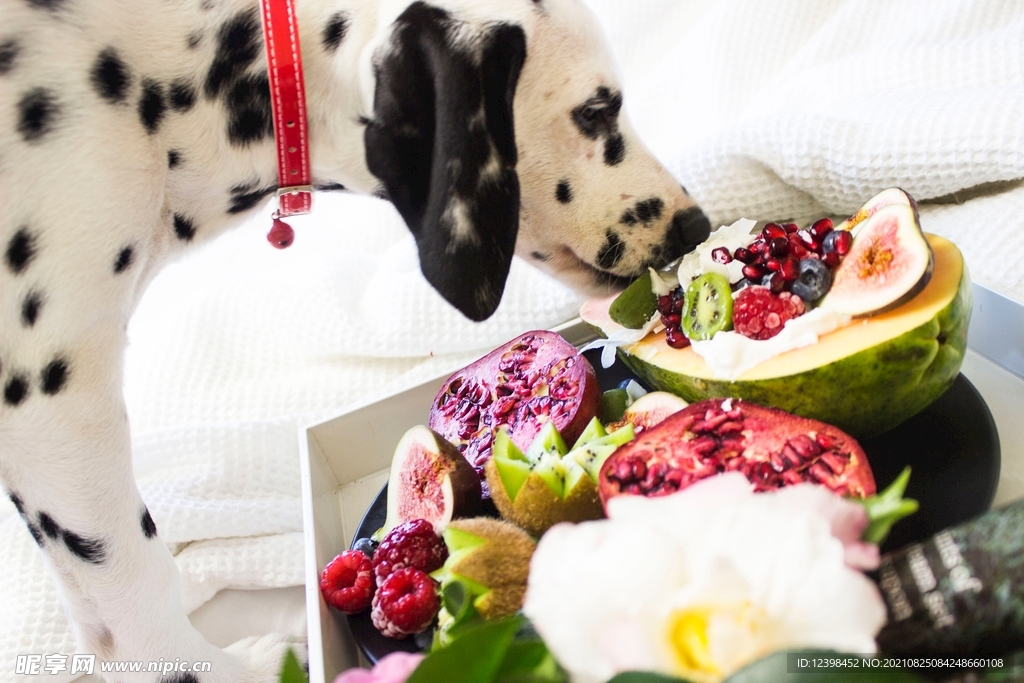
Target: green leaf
613 405
475 657
291 670
529 661
643 677
886 508
637 303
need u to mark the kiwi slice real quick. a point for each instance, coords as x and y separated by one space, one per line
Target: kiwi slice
707 308
637 303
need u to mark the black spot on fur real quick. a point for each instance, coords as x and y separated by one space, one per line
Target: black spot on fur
124 259
16 390
334 31
9 50
110 76
248 195
30 308
54 376
152 105
51 5
19 504
184 228
649 209
563 192
88 549
182 95
20 250
238 46
599 114
37 111
173 158
629 217
49 527
183 678
612 251
37 535
541 256
330 187
148 525
194 39
614 150
249 115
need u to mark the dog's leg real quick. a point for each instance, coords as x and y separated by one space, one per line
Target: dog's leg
66 463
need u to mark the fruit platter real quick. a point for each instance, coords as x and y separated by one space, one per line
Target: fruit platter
530 465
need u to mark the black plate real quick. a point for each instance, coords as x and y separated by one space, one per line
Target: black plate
952 446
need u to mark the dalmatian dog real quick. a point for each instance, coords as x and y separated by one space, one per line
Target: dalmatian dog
134 130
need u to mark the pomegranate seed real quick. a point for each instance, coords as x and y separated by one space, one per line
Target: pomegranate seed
675 338
825 441
843 243
743 255
778 247
672 320
773 265
790 269
776 283
790 227
753 272
809 241
821 227
665 305
771 231
831 259
721 255
791 456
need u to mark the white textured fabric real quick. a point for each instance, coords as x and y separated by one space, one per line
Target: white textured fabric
761 109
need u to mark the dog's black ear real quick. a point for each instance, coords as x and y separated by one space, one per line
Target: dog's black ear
443 143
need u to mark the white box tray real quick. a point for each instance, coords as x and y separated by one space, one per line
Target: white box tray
344 462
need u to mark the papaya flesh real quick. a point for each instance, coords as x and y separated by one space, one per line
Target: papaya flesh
865 378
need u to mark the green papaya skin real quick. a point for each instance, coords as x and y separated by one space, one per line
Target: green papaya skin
919 366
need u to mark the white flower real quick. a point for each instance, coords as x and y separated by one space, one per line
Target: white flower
702 582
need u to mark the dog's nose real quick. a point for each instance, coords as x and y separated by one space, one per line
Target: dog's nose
690 227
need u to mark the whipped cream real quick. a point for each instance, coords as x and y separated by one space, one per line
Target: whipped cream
730 354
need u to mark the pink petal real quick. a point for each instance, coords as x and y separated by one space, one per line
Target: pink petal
356 676
396 667
847 520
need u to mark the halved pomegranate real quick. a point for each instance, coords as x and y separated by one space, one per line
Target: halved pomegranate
771 447
536 377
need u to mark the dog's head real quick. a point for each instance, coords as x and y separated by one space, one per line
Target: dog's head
498 128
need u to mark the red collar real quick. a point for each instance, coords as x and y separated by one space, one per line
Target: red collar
288 103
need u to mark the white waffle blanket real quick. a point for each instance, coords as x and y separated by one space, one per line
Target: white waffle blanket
762 109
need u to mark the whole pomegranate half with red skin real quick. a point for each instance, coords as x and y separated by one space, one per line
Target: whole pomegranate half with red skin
536 377
771 447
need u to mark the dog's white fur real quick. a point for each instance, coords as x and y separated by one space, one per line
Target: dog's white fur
94 182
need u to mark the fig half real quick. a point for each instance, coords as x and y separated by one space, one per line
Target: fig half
430 480
889 262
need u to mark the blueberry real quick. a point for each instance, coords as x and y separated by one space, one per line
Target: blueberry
814 280
624 384
365 545
737 286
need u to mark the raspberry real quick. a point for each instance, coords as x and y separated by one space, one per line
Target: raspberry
757 313
413 544
405 603
347 582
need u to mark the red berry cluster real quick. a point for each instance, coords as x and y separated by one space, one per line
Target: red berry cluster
773 258
396 582
758 313
670 306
